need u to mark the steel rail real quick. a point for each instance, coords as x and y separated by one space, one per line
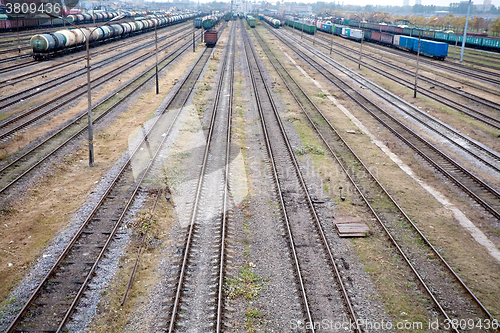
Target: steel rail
461 107
127 41
104 77
95 209
278 188
180 49
326 245
339 83
194 211
464 70
356 77
75 74
218 327
367 170
445 86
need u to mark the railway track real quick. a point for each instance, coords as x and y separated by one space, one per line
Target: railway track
488 119
203 262
484 154
388 217
477 73
127 41
52 303
15 49
17 168
475 188
321 286
451 67
55 83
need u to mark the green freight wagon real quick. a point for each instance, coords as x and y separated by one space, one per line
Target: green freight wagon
308 28
441 36
428 34
251 21
491 44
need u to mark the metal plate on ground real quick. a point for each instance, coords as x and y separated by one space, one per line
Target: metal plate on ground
350 226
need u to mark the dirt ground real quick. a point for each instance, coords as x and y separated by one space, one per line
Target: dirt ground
30 223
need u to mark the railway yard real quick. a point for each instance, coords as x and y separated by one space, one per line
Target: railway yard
277 182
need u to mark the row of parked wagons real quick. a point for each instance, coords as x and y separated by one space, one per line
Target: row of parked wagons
475 40
63 41
301 24
437 50
207 22
7 24
275 23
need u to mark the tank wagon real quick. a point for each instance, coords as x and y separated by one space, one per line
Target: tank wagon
251 21
32 23
271 21
198 22
48 45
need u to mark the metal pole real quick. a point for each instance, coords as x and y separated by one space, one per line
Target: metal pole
416 71
89 110
361 49
194 48
18 43
156 54
331 43
302 34
456 43
89 96
465 32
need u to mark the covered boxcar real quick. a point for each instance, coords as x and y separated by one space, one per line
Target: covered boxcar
211 37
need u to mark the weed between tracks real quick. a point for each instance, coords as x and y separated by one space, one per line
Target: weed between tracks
247 284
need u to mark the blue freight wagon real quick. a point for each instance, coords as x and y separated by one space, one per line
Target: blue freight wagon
430 48
404 42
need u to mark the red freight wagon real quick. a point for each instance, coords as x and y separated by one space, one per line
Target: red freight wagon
376 35
211 38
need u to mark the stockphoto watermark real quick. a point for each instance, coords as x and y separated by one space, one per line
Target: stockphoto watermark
383 325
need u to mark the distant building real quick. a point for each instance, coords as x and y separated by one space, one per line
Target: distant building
406 2
485 7
297 9
418 2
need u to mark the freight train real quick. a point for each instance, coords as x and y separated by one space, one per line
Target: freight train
271 21
473 40
48 45
210 21
76 18
305 25
251 21
437 50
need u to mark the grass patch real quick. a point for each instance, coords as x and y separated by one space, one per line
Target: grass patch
309 149
247 284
